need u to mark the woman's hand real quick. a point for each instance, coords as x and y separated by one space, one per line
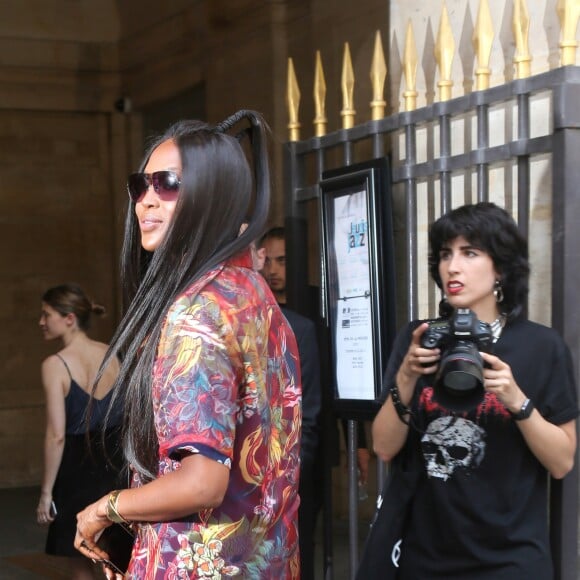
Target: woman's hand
418 361
498 379
553 445
389 431
43 511
90 525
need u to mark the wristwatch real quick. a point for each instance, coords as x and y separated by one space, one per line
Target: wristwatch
524 412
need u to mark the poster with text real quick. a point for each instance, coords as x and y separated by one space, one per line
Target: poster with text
353 330
357 282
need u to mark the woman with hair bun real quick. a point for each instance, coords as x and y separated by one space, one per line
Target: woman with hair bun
210 371
79 463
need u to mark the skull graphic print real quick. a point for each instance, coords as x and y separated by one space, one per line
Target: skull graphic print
450 444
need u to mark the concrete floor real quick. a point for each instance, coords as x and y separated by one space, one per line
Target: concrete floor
22 542
22 539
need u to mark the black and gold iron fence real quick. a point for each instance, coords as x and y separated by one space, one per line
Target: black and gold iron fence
445 154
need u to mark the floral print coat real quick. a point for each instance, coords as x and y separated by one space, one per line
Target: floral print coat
226 384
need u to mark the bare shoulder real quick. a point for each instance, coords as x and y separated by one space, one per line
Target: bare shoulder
52 364
53 371
95 350
100 350
99 347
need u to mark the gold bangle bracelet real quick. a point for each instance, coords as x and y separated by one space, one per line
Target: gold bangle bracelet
112 511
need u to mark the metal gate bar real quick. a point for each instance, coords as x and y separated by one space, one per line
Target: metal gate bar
563 144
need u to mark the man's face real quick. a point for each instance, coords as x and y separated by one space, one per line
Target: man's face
275 265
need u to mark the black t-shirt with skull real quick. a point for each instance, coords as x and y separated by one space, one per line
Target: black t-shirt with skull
481 512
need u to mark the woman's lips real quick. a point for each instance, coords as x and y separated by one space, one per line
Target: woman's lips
149 224
454 287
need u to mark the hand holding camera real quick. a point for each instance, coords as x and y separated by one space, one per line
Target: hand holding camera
418 361
500 381
459 381
421 359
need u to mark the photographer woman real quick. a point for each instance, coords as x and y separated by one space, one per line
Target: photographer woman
480 510
210 374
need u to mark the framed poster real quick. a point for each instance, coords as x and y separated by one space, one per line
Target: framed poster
358 282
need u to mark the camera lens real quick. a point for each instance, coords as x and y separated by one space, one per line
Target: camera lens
459 382
461 377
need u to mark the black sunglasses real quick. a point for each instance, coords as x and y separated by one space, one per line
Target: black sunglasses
165 183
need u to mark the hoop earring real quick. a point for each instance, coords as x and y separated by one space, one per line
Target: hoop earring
498 292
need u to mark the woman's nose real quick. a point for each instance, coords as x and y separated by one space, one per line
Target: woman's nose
150 199
453 263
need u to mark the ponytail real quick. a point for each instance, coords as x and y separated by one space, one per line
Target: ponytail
257 133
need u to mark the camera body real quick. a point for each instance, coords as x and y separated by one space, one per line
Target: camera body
462 326
459 380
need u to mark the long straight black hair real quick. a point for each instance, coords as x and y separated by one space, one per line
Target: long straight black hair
219 191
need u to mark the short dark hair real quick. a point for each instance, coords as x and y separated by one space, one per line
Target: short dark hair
493 230
275 233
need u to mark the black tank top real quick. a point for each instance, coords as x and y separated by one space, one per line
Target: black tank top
76 403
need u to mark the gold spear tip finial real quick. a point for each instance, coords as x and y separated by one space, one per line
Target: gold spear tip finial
521 28
482 42
410 60
444 53
347 82
319 98
568 11
293 103
378 76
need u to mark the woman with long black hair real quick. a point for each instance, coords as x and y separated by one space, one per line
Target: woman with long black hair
209 374
480 507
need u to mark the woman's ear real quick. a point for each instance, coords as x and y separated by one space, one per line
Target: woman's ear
71 319
260 259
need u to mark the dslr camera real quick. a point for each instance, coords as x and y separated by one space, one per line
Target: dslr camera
459 380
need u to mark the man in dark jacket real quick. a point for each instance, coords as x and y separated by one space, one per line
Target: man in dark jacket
272 250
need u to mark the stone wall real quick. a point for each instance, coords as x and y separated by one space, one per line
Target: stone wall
58 216
65 149
61 148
